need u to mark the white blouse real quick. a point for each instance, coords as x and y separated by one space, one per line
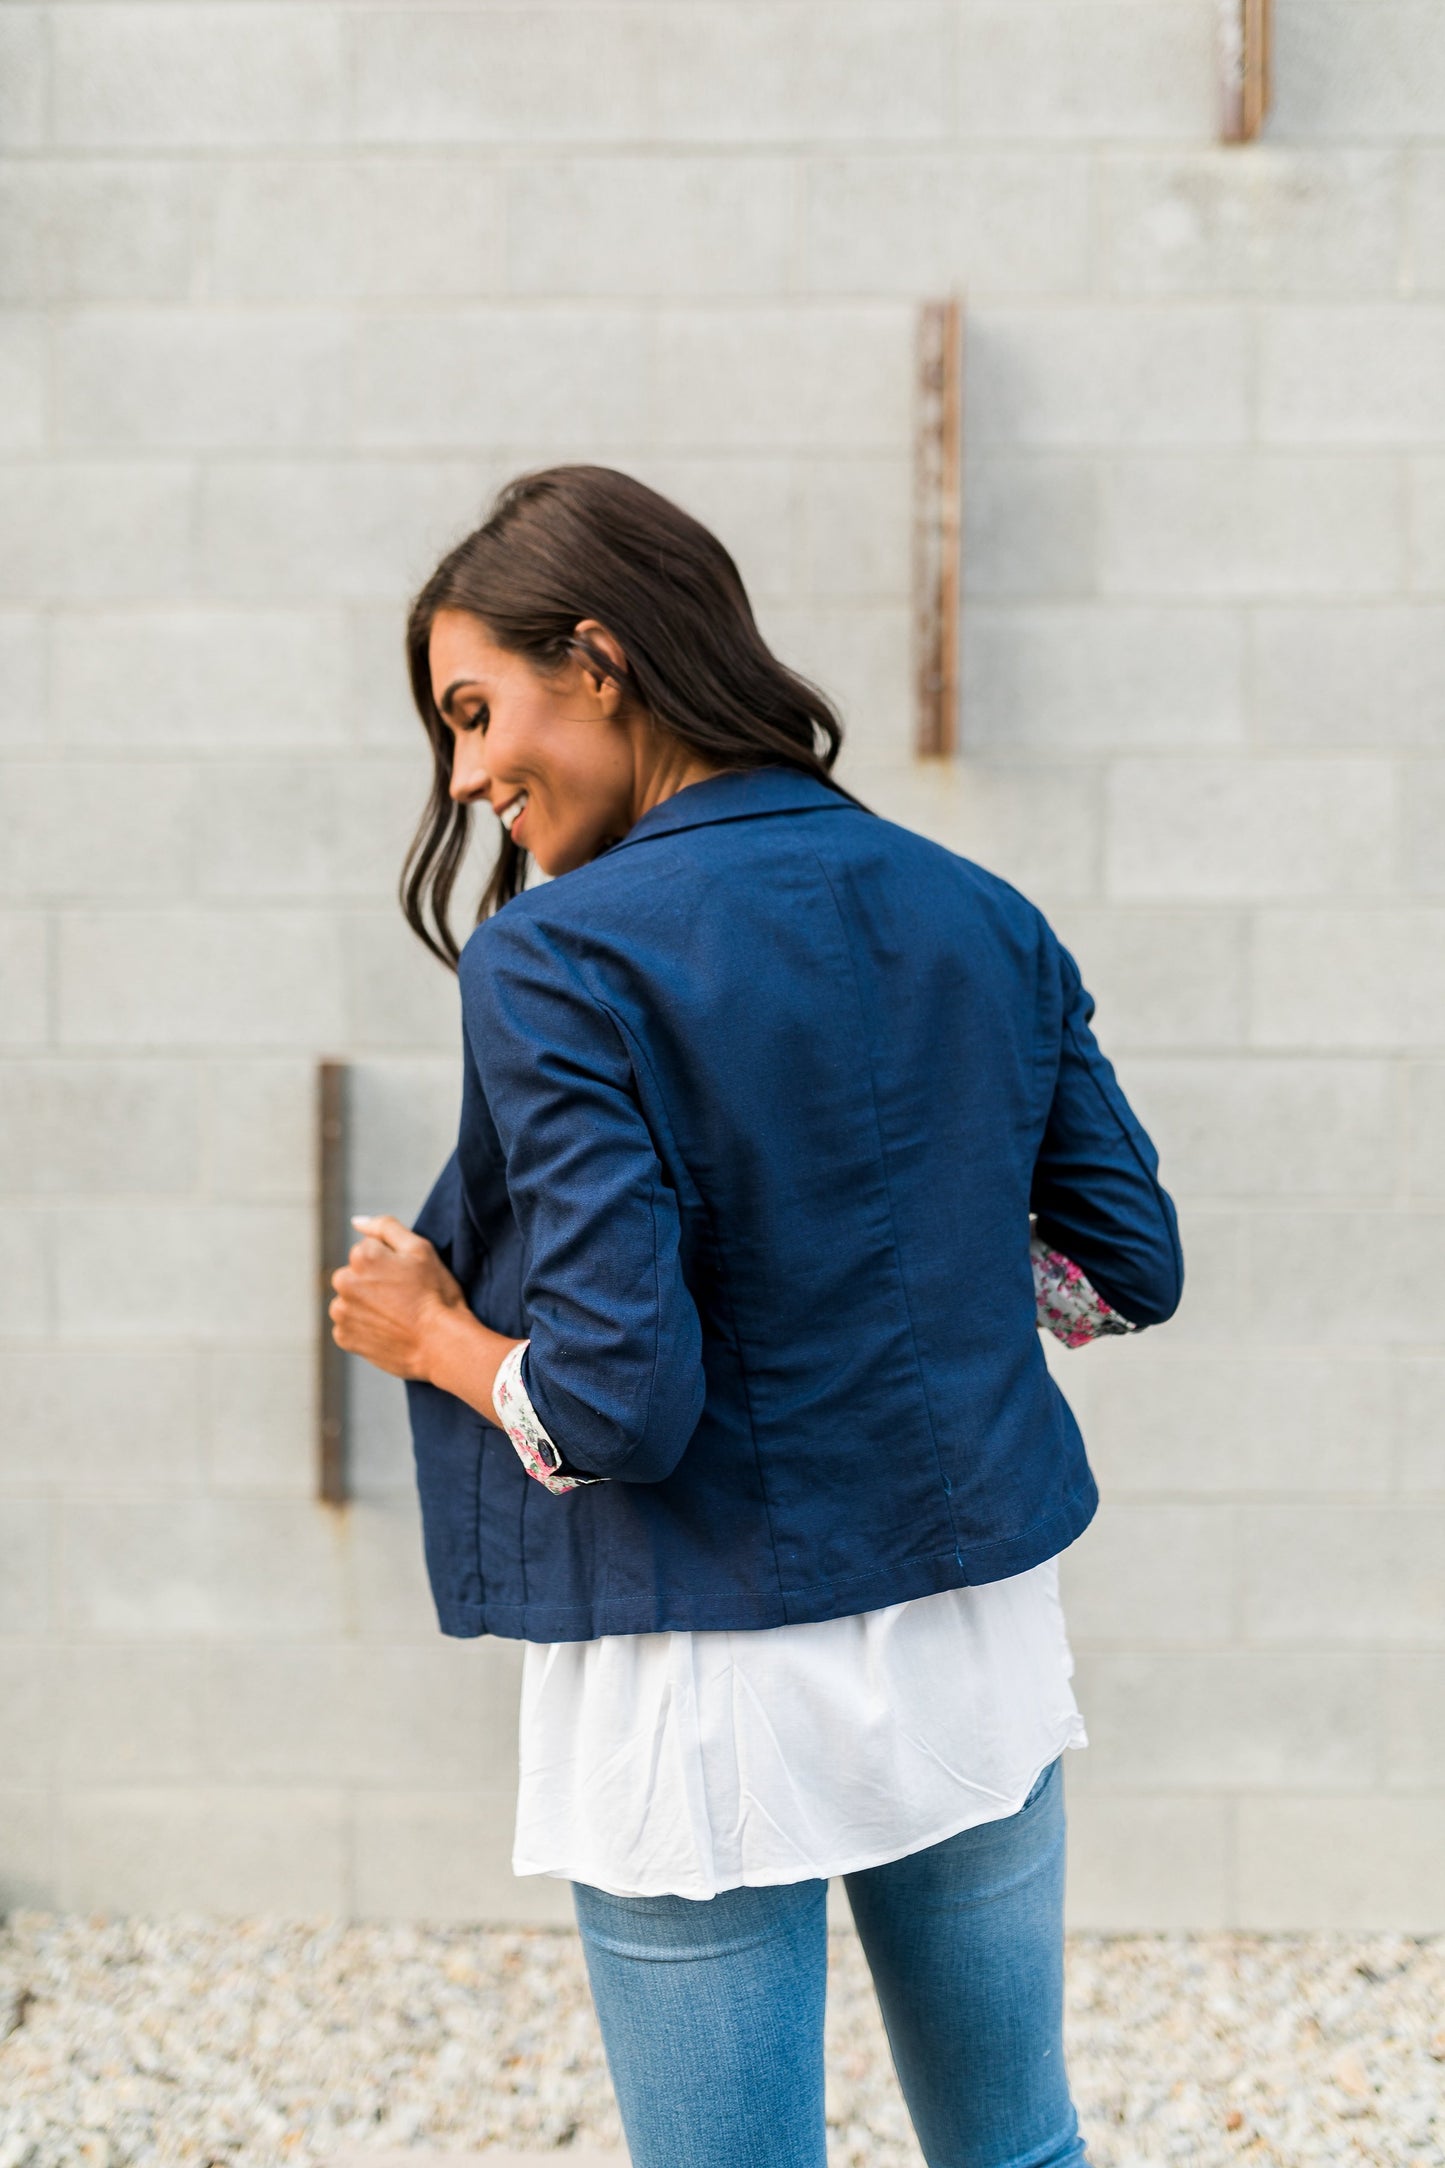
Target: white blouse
693 1762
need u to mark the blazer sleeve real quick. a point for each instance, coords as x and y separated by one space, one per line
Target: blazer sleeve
1096 1190
614 1370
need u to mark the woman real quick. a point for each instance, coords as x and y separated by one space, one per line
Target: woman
720 1334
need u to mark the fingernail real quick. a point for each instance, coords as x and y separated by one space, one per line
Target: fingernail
361 1219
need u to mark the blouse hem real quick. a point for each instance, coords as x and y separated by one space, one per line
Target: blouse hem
1076 1737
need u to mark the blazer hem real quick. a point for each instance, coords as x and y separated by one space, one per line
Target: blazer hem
744 1609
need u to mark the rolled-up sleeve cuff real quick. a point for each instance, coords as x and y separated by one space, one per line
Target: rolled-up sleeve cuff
1067 1302
519 1419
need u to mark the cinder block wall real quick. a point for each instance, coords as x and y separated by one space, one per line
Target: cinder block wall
287 288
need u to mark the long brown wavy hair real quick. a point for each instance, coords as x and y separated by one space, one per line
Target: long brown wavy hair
575 542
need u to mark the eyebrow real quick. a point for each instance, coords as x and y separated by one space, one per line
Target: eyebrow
455 687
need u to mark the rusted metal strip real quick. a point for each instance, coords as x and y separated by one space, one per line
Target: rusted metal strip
937 505
333 1242
1245 67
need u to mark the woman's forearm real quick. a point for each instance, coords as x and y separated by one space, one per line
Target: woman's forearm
462 1356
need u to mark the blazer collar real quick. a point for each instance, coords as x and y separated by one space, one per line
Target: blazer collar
739 795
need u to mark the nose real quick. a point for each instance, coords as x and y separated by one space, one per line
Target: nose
470 778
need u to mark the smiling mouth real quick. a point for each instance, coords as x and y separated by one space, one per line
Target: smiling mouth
508 813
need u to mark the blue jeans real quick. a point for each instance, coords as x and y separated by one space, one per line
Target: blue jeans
712 2012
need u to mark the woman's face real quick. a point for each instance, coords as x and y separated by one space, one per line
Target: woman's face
556 757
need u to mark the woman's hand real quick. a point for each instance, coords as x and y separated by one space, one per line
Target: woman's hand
391 1294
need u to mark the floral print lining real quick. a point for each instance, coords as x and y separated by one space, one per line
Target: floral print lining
538 1455
1069 1305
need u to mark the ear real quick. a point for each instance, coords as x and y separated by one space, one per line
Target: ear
594 640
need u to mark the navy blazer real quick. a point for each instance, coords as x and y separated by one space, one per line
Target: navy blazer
756 1108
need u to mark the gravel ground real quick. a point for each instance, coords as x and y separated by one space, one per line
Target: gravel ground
247 2044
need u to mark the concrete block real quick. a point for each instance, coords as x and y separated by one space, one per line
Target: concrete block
377 692
1346 1277
1427 525
22 678
177 379
752 73
211 1568
1426 220
1226 1424
114 1421
1030 526
1352 375
261 1420
133 1714
385 229
192 1849
1037 826
101 230
28 1673
439 1716
1080 376
1260 1127
92 1128
402 1122
1231 831
1336 978
1000 222
753 506
1162 980
1420 1448
1116 69
213 978
69 829
350 531
26 1272
857 530
28 1871
141 77
226 1271
501 75
1414 1734
24 378
27 1550
862 660
24 76
288 828
1251 525
1221 1720
279 1713
651 226
1331 1575
1147 1865
1423 791
82 531
396 995
378 1440
1156 1573
774 379
1372 677
503 377
1426 1129
386 1572
260 1130
224 680
1085 677
24 979
1370 1862
1380 76
442 1857
1274 220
